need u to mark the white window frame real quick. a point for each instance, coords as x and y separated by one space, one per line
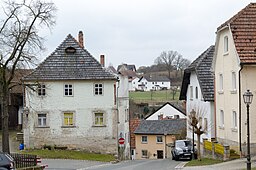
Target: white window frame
41 90
159 137
99 117
221 83
234 118
196 92
144 153
70 89
226 45
221 119
191 92
63 119
144 139
206 125
98 89
233 82
41 119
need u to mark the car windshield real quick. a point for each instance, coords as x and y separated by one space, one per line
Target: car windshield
183 143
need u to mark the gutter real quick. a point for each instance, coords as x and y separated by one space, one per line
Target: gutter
240 111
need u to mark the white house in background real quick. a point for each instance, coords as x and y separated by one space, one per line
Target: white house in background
153 82
74 104
198 92
134 84
166 111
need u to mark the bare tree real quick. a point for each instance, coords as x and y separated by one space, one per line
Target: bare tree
19 43
195 121
167 59
181 63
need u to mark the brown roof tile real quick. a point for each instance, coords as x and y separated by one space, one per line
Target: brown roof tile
243 28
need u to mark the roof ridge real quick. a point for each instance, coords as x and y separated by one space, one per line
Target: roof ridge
234 17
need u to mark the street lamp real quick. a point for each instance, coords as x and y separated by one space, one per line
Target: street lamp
248 100
193 116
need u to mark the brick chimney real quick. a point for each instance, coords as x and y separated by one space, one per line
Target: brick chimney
102 60
81 39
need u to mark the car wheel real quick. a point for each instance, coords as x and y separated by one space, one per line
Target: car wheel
177 158
190 158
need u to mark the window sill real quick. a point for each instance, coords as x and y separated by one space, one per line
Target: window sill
159 142
233 91
99 126
225 53
144 142
71 126
221 92
42 127
234 129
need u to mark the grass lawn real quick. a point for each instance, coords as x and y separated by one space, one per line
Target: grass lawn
149 96
204 161
68 154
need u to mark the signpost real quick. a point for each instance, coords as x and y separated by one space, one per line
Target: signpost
121 141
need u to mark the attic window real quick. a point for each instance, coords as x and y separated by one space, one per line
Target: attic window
70 50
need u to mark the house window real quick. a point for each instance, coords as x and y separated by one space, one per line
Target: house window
162 82
144 139
234 119
42 119
196 92
221 118
99 119
233 81
225 44
205 125
221 82
68 119
144 153
98 89
159 139
191 92
41 90
68 90
152 82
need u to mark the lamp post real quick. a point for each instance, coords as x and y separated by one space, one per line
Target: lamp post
193 116
248 100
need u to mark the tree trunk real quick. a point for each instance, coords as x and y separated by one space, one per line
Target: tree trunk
198 147
5 120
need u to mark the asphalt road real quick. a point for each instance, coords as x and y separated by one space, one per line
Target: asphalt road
160 164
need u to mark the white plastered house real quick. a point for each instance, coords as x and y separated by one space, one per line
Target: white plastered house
70 100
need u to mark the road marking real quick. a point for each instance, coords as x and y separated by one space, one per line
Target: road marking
180 165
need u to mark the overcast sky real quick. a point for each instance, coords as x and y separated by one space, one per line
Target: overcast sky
137 31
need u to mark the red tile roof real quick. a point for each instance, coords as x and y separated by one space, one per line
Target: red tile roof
243 27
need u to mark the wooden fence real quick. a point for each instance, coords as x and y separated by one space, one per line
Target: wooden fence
24 160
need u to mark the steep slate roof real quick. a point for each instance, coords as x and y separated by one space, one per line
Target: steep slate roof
161 127
202 67
64 65
243 28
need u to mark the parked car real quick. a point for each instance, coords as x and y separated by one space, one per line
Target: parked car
6 162
183 149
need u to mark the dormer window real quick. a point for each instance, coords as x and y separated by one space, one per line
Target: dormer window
70 50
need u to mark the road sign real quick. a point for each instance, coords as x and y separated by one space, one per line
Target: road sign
121 141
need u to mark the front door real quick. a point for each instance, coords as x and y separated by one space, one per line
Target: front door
160 154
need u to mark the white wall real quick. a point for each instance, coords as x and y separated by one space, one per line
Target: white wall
83 103
167 110
203 109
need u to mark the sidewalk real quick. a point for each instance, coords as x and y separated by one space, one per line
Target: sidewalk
238 164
